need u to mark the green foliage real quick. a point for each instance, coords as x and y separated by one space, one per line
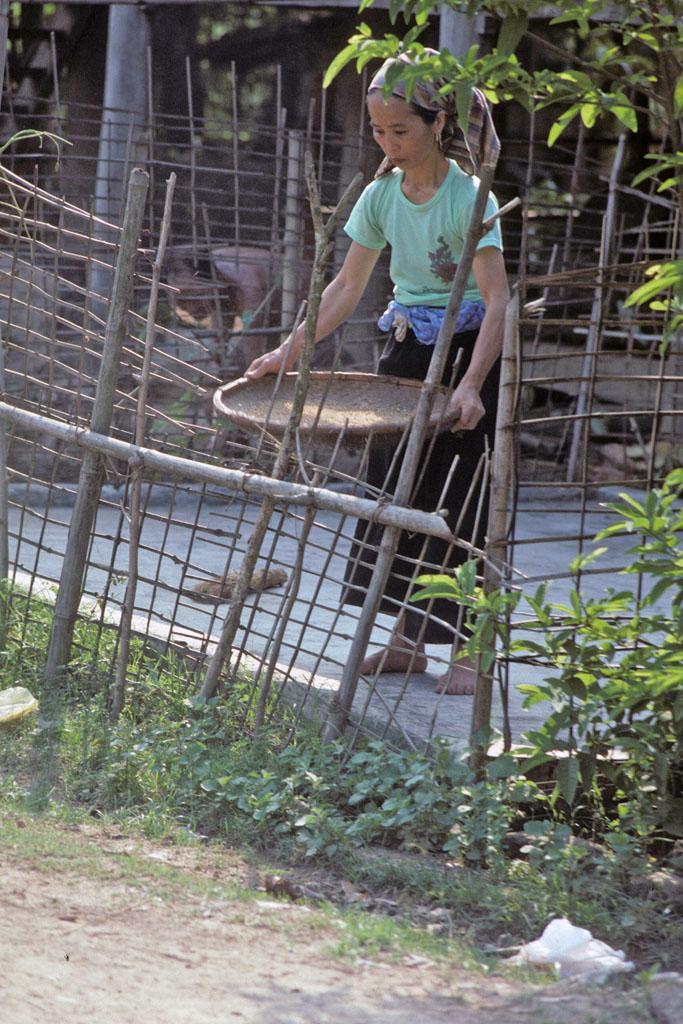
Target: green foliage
172 756
174 764
398 799
630 64
488 613
615 726
663 293
625 63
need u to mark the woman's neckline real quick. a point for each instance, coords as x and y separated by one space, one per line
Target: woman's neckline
431 198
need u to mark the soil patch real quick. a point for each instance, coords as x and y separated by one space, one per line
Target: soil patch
88 935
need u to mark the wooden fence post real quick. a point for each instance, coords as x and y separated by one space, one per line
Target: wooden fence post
119 689
4 512
501 480
89 480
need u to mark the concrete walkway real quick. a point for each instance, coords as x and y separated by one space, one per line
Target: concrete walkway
188 542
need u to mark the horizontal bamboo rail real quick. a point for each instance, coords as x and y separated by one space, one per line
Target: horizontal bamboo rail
428 523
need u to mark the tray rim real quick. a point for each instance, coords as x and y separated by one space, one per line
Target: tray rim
389 427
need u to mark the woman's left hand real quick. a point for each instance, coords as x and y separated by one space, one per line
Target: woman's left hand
465 401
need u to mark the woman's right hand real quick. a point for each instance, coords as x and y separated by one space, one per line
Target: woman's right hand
271 362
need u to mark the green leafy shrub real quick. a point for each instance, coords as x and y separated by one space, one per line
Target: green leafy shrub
615 726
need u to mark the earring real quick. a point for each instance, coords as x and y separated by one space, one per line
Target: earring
439 137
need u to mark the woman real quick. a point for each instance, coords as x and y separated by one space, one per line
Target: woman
420 203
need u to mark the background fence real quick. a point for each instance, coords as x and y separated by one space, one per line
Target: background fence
597 401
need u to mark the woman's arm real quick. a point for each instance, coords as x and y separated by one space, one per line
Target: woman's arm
338 302
489 272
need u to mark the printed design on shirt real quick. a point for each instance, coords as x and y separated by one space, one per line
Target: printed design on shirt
441 261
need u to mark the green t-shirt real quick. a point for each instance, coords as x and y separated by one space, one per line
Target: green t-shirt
426 239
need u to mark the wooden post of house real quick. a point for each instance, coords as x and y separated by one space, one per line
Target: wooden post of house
122 143
458 31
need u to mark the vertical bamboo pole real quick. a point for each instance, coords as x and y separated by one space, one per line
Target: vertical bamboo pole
501 483
586 384
281 118
340 706
193 161
290 242
4 512
4 503
265 682
323 123
89 483
150 138
118 695
235 162
220 326
4 32
55 87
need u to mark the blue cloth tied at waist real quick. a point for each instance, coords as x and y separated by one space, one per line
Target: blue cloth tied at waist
425 321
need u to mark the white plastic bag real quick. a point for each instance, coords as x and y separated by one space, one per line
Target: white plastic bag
573 952
16 702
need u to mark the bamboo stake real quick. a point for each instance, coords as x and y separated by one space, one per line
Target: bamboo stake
321 149
150 139
324 235
283 619
193 160
592 340
55 86
501 483
220 327
4 513
68 596
290 238
340 707
118 693
235 163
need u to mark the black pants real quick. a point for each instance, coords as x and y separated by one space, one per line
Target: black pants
411 359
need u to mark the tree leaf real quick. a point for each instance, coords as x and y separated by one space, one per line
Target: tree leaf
627 116
651 288
589 114
678 96
561 123
463 102
568 777
343 58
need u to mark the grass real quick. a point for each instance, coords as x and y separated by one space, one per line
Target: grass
194 775
67 844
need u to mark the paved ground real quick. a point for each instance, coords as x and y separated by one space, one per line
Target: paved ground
188 542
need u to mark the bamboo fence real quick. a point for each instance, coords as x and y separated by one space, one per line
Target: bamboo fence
179 500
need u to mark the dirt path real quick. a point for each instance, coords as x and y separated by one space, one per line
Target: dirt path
82 941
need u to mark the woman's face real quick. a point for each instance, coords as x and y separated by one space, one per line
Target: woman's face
400 133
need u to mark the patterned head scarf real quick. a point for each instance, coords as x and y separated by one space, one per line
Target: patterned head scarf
474 148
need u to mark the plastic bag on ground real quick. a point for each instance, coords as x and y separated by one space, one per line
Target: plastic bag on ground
16 702
573 952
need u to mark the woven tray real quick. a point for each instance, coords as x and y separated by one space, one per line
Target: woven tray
357 403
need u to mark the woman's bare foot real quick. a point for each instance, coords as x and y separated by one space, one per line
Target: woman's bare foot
400 656
459 679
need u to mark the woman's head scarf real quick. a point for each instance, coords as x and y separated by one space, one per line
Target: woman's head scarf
475 147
